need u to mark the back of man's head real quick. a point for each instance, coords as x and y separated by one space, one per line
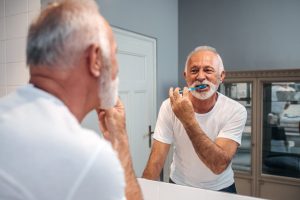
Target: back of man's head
63 31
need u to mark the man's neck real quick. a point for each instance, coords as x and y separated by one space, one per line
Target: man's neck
204 106
64 89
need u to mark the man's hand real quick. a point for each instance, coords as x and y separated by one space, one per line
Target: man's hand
112 123
182 105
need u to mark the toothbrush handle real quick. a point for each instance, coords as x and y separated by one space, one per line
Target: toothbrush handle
181 91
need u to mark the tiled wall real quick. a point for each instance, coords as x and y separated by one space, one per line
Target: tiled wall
15 16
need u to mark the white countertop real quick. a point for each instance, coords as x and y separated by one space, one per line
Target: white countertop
155 190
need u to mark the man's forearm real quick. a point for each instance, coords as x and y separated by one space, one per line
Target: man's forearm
132 190
156 161
152 171
210 153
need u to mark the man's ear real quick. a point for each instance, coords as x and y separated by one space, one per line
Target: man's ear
222 77
93 59
184 74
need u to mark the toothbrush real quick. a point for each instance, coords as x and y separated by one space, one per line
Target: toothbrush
194 88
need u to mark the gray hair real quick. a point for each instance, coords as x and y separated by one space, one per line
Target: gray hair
63 31
205 48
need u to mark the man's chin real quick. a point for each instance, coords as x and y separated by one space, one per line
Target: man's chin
202 95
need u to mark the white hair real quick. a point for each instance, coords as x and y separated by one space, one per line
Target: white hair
63 31
205 48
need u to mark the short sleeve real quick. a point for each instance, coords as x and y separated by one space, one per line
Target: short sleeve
164 125
234 127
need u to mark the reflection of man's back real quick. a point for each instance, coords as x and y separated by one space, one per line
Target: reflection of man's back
278 141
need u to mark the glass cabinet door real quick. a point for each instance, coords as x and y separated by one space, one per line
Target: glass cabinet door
242 93
281 124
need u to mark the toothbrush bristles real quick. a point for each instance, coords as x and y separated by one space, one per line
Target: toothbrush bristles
194 88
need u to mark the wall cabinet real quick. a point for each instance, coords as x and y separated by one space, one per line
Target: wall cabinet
267 164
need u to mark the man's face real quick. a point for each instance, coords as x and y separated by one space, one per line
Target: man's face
203 68
108 88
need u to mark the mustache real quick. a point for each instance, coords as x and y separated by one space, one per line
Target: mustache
206 82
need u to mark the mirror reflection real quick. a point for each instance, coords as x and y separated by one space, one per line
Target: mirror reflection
281 137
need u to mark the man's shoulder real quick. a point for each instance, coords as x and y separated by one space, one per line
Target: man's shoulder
166 104
227 102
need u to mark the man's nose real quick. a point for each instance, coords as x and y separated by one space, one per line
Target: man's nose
201 76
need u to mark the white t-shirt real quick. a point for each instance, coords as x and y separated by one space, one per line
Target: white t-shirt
227 120
46 154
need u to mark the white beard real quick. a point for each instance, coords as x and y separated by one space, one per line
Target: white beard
205 95
108 90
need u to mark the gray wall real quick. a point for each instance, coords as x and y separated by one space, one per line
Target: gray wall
249 34
157 19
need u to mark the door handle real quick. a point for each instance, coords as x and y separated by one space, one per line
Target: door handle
150 132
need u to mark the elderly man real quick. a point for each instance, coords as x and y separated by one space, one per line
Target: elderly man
44 152
204 125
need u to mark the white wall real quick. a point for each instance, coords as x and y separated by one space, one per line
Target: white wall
15 15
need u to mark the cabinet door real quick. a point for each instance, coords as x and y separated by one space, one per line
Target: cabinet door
242 92
281 124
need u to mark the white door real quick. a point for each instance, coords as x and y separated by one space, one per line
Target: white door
137 89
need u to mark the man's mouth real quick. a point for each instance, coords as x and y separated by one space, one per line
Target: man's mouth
201 86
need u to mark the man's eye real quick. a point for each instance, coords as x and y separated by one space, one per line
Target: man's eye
209 70
193 71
